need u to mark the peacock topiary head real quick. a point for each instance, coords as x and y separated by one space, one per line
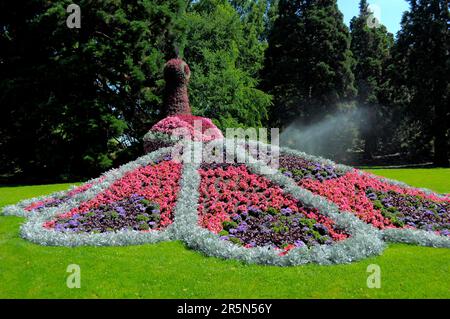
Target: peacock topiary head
176 72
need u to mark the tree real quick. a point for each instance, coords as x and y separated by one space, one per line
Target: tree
224 52
308 65
370 46
421 54
75 100
253 44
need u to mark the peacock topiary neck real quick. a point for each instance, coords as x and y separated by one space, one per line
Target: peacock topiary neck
176 99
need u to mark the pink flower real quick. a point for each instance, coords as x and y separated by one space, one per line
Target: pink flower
158 183
349 193
68 195
194 127
230 193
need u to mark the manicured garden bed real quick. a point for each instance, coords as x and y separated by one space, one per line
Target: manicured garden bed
169 270
309 210
250 211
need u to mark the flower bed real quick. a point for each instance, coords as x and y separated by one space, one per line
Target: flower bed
142 199
412 211
198 128
132 213
299 168
168 131
250 211
323 214
382 204
29 207
54 201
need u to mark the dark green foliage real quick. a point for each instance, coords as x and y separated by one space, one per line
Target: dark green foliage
78 101
308 62
74 101
224 53
421 72
371 48
229 225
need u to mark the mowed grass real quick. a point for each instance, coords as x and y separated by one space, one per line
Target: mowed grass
437 179
170 270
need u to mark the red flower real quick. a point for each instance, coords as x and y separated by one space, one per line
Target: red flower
158 183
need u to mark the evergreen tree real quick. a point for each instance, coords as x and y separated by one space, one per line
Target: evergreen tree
308 66
370 46
224 52
73 99
422 61
253 44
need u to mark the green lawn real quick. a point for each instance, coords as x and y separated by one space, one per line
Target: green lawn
170 270
437 179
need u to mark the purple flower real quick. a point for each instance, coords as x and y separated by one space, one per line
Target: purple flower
429 213
445 232
372 196
121 211
254 209
299 243
236 217
73 223
242 228
140 207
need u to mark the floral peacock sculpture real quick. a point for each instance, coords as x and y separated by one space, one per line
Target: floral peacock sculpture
178 121
307 209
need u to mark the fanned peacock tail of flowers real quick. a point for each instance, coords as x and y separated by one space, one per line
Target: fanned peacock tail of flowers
310 210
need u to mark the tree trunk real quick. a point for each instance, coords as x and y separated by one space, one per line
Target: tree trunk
369 133
440 138
441 151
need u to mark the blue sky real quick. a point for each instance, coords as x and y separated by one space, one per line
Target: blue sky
390 11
